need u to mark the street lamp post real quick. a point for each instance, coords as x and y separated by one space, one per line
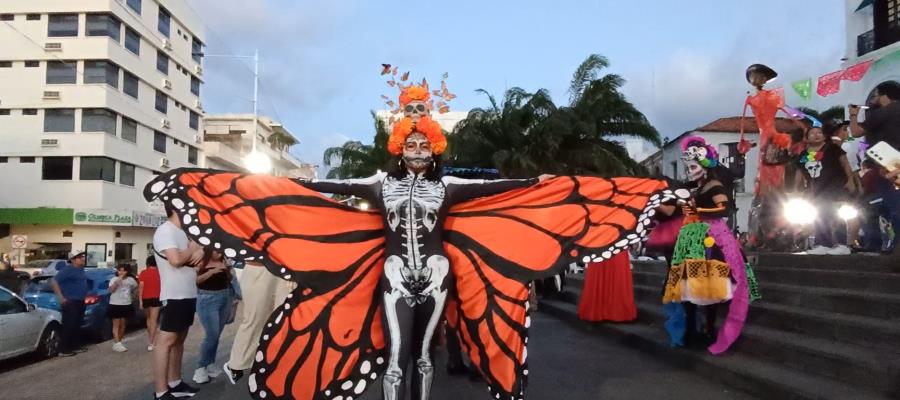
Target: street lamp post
256 162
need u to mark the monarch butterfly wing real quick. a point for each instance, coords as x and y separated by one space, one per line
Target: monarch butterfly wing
297 233
498 244
324 346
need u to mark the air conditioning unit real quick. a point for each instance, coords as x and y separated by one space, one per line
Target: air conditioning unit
164 162
198 70
166 124
51 95
198 138
167 84
198 105
167 44
49 142
53 46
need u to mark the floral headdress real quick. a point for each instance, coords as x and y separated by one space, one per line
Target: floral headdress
403 126
424 125
695 148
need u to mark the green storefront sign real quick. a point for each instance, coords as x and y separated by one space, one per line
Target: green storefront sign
103 217
31 216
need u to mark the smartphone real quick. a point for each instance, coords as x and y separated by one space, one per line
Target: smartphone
885 155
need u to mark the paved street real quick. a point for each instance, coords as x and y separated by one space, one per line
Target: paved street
565 364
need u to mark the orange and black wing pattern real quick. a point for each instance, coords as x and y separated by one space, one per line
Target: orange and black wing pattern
499 244
326 340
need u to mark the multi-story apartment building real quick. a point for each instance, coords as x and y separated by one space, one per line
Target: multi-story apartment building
228 138
96 96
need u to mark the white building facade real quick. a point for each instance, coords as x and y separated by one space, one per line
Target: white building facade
873 34
98 96
228 138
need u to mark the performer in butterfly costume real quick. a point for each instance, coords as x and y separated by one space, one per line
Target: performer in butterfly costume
372 284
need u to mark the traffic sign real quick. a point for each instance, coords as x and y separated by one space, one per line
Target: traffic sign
19 241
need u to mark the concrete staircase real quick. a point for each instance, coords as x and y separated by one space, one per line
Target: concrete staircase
828 327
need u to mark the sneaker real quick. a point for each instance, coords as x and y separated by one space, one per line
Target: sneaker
118 347
150 347
182 390
213 371
234 375
66 354
165 396
818 251
201 376
839 250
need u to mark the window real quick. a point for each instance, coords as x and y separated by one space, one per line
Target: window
29 111
162 102
159 142
4 111
194 121
10 304
33 17
61 72
7 17
5 64
63 25
59 120
129 130
98 120
196 50
165 21
32 64
56 168
97 169
126 174
26 160
130 84
4 160
192 155
103 25
135 5
162 62
195 86
101 72
132 41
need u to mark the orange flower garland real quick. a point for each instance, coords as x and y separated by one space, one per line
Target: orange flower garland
426 126
414 93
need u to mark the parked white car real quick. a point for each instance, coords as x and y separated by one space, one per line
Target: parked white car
25 328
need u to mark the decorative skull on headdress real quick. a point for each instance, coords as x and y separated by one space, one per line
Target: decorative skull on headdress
698 157
415 102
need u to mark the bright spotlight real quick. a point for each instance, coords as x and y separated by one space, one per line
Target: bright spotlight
363 206
800 212
847 212
258 163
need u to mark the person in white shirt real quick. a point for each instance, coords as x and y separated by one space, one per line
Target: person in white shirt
121 295
176 257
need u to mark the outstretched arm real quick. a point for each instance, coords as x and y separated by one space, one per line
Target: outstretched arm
460 190
363 187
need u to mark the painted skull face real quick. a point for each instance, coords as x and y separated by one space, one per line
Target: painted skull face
694 170
415 109
417 152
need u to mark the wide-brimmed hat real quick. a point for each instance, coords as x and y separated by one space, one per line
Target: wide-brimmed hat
767 72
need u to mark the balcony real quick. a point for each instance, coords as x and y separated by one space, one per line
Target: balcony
865 43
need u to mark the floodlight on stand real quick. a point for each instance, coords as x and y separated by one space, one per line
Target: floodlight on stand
258 163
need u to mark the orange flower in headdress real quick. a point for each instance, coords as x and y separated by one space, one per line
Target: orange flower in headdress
414 93
426 126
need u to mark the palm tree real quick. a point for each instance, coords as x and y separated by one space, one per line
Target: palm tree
528 134
354 159
835 113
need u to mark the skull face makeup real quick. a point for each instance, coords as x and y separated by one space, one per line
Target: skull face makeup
694 170
415 109
417 152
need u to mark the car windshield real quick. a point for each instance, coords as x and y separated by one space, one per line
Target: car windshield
40 284
37 264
